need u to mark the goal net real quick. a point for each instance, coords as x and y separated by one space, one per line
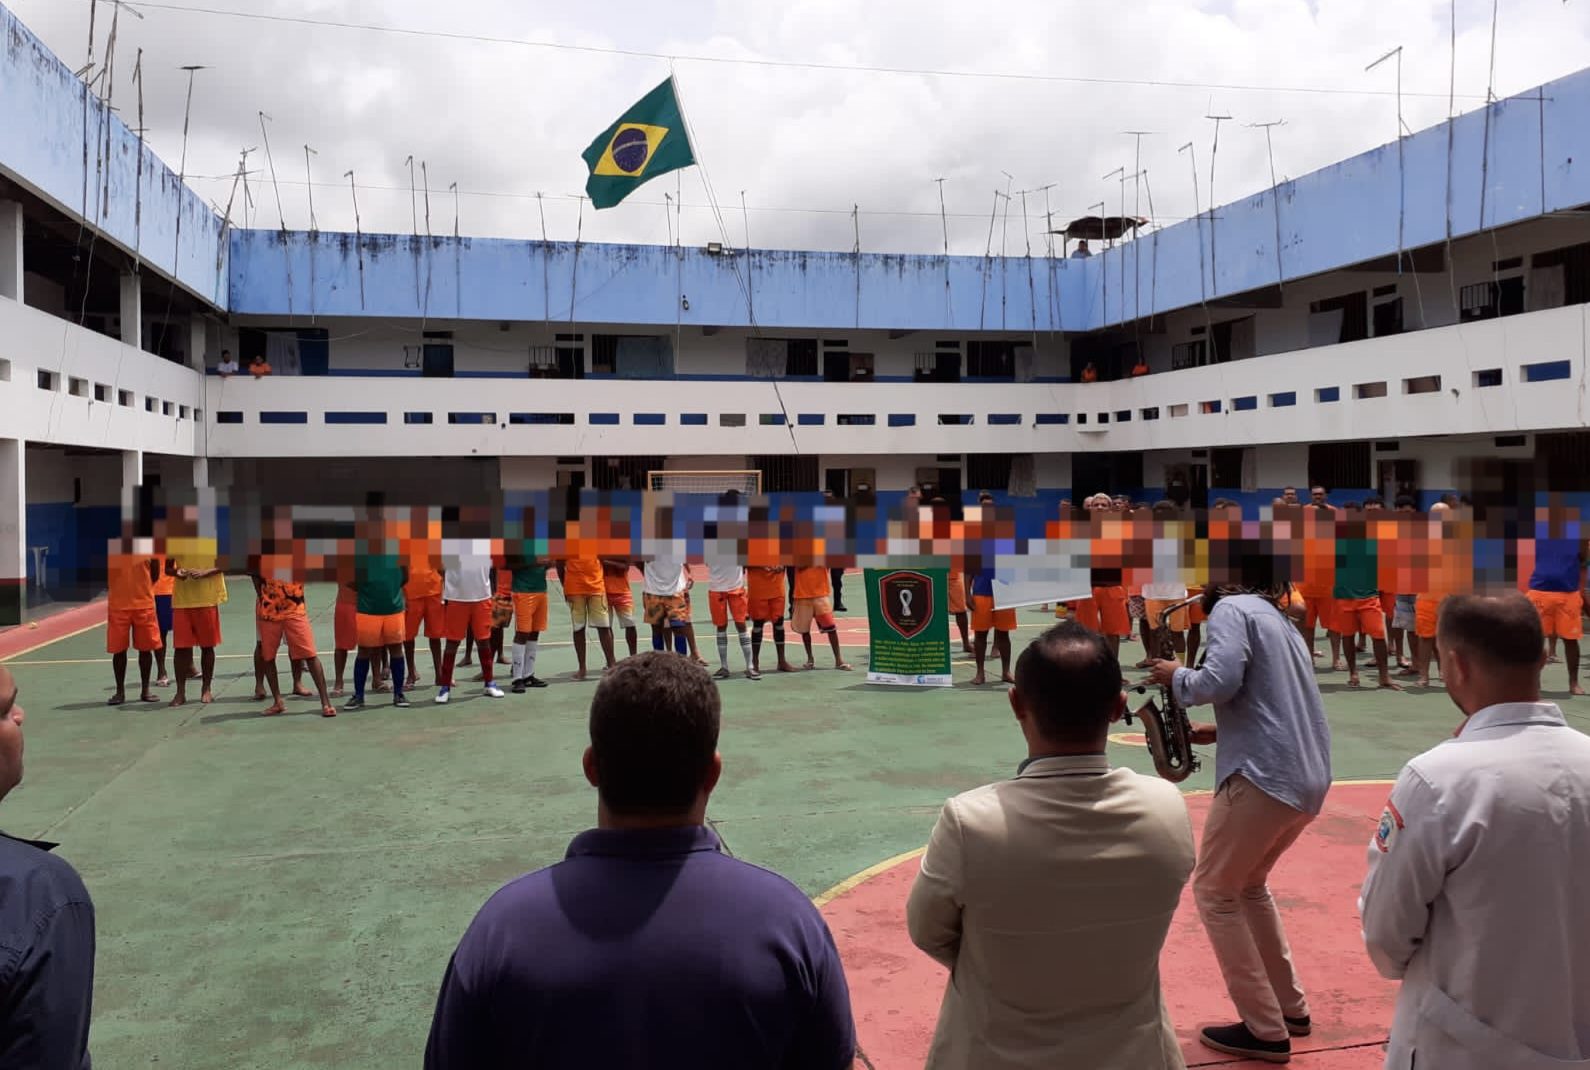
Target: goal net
746 481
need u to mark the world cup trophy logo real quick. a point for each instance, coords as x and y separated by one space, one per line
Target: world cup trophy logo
906 599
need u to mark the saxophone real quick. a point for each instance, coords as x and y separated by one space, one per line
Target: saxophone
1169 732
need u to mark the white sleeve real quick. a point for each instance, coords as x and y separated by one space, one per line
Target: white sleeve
1407 867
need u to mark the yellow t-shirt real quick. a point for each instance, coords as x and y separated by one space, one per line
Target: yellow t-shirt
196 594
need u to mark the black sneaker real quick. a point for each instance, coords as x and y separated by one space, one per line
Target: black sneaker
354 703
1299 1027
400 701
534 681
1238 1040
517 687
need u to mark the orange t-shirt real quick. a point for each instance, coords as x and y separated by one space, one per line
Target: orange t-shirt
615 580
129 582
812 583
583 576
424 580
165 584
279 600
765 582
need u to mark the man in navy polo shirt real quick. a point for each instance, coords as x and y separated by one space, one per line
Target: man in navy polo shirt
647 946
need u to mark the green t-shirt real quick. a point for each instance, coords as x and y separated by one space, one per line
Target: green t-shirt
1357 569
530 579
379 579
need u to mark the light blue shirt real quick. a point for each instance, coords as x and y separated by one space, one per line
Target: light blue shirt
1258 674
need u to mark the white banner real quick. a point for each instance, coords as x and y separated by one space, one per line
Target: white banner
1048 572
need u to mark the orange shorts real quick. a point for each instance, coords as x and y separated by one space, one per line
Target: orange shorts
199 627
767 608
296 630
1426 611
427 611
1110 603
383 630
1178 620
530 611
985 618
502 609
957 594
1320 610
814 610
345 626
725 604
465 619
1360 616
1388 603
1561 613
141 625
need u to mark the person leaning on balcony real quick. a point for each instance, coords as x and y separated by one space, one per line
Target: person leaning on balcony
259 367
228 365
1090 374
1141 367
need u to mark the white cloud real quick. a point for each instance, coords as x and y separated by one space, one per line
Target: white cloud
512 120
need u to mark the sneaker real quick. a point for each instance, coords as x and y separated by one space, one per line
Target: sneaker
1300 1027
401 701
752 674
441 695
534 681
721 674
492 691
1238 1040
518 687
354 703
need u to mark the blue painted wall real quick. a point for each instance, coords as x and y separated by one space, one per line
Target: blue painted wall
1338 216
77 537
42 133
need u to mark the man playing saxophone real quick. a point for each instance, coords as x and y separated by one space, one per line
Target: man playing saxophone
1272 771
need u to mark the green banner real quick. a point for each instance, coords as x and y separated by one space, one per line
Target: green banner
908 622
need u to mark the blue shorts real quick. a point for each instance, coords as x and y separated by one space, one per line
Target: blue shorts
163 612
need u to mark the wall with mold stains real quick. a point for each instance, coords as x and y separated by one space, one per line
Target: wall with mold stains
47 123
1534 150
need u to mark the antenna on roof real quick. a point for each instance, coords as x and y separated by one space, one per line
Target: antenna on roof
1214 282
1275 197
358 235
309 183
1198 217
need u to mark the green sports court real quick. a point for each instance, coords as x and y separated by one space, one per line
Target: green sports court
285 892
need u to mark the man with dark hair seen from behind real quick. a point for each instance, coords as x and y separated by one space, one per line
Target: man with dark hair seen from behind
1272 771
1474 898
1069 862
46 931
647 946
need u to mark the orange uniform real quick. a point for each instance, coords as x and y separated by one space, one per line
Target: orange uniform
765 587
130 614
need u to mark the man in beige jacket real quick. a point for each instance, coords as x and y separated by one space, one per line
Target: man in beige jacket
1049 896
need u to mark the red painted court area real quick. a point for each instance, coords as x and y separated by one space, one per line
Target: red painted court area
896 989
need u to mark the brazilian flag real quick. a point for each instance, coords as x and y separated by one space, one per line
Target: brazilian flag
648 140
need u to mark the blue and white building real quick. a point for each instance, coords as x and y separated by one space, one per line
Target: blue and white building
1368 326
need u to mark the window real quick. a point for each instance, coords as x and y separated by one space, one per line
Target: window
784 473
1052 418
772 357
731 419
632 356
988 471
1365 391
1422 384
78 388
947 418
811 419
355 417
902 419
1209 407
283 417
772 419
1546 371
229 417
1339 319
693 419
1178 410
1283 399
939 366
473 418
1245 404
1151 413
124 398
990 360
1488 300
602 419
1388 318
800 357
1326 394
416 417
542 418
1122 416
1339 465
436 355
1188 355
5 370
1488 377
1004 419
856 419
648 419
102 393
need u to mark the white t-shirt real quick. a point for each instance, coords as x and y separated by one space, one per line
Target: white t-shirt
227 367
664 576
725 574
1167 585
468 570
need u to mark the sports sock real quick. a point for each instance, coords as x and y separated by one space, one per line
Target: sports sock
529 658
756 639
745 647
778 636
723 648
658 642
681 644
449 656
361 673
398 667
487 656
518 661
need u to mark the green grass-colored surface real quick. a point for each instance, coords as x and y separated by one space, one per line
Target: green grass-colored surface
285 892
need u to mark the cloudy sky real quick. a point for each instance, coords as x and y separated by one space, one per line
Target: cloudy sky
810 107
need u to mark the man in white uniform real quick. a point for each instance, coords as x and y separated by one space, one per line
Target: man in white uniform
1475 898
466 605
663 601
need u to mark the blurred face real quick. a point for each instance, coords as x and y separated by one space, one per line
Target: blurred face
10 733
1317 495
1289 495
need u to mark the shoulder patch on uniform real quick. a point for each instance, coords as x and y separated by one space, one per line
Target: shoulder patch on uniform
1390 824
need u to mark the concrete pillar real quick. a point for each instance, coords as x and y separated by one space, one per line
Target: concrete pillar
201 472
198 335
11 250
132 309
13 530
132 469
